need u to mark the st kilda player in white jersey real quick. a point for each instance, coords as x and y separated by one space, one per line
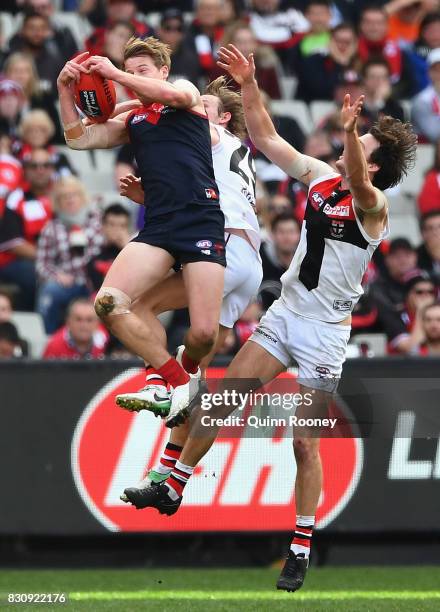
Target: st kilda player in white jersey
345 220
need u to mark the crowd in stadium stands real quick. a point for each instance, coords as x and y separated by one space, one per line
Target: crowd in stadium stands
57 242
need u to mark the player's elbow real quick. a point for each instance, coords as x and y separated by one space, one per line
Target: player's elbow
77 144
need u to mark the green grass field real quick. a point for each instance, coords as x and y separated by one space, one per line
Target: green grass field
395 589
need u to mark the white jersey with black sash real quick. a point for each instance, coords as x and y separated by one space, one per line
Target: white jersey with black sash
324 279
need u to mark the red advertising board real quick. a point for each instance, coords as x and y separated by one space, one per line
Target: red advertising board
245 483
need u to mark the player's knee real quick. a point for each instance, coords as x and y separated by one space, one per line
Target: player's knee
306 449
205 335
110 301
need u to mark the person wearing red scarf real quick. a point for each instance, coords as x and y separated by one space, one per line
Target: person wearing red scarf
206 32
374 41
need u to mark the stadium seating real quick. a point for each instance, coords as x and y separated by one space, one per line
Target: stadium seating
30 327
297 109
319 109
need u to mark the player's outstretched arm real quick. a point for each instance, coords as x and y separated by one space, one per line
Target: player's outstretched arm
180 94
259 124
77 135
366 197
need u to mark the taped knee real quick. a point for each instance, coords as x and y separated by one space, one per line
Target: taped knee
110 301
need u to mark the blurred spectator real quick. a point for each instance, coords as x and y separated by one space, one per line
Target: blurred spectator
20 67
349 82
387 293
404 329
11 106
81 338
405 17
33 210
116 234
61 35
431 329
318 74
22 218
6 307
374 40
116 36
276 256
184 58
429 197
277 27
34 38
206 32
425 112
36 130
11 171
125 163
429 251
267 64
376 80
317 39
10 343
428 40
66 246
116 10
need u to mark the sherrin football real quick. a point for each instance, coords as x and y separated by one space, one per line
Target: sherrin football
95 96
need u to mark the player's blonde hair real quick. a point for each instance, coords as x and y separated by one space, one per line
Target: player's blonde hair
159 52
229 102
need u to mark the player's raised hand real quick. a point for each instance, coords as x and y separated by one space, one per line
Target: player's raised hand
72 70
103 66
350 112
242 70
130 187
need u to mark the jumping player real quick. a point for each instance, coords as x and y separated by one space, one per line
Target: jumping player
235 177
345 220
171 139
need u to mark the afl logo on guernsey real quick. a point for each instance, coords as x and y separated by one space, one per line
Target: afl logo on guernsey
317 198
138 118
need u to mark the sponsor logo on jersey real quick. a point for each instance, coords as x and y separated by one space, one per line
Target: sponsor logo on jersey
206 252
317 198
337 229
228 492
204 244
343 305
342 211
138 118
249 197
211 194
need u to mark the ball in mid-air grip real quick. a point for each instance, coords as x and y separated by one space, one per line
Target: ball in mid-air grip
95 96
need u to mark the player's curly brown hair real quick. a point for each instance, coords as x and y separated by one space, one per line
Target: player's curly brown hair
229 102
159 52
396 152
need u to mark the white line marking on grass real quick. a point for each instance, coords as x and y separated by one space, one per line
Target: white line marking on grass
251 595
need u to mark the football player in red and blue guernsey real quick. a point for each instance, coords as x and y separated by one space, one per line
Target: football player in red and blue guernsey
309 325
184 224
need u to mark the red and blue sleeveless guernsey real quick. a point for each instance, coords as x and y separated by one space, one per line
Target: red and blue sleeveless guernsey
172 147
324 279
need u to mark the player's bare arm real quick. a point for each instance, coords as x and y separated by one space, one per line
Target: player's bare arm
76 133
259 124
367 198
180 94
